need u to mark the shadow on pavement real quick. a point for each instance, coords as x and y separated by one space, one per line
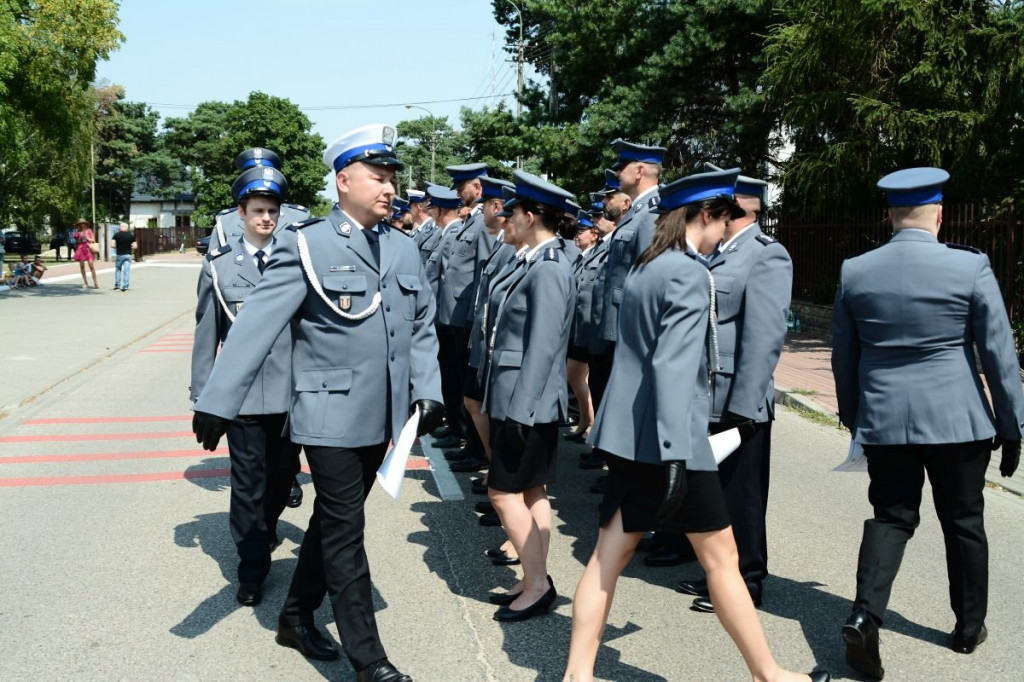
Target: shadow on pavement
57 289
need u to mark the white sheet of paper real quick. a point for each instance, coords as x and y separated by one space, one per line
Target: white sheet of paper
392 469
724 444
855 460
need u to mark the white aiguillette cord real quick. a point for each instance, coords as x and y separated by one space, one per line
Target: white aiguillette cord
314 281
220 296
712 329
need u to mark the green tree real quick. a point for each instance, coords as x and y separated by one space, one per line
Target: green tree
868 86
208 140
416 138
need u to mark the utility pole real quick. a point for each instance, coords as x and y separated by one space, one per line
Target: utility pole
519 80
433 137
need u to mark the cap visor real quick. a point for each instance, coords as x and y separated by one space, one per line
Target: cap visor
387 161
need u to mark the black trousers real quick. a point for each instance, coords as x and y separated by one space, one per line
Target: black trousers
744 476
452 357
332 560
263 465
957 475
600 371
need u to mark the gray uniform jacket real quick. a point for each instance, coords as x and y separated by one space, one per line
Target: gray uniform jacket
526 370
572 252
425 232
502 256
233 228
655 407
907 319
237 277
342 368
587 322
754 282
632 235
460 256
436 259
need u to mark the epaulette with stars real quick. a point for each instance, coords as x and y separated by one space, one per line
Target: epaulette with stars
303 223
765 239
653 202
297 207
963 247
217 253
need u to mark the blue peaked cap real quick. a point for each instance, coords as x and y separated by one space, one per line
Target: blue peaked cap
373 144
465 173
745 185
914 186
529 187
630 151
492 187
699 187
416 196
265 180
442 197
257 156
611 181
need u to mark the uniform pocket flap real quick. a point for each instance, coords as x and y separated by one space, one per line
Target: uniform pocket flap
726 364
354 283
723 283
624 235
408 282
510 358
338 379
235 294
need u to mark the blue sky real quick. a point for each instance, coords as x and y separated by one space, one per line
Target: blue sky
316 53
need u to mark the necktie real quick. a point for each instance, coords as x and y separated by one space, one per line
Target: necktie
260 263
373 239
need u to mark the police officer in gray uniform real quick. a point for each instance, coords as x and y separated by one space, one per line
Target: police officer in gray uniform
364 354
753 282
263 461
228 226
908 319
420 216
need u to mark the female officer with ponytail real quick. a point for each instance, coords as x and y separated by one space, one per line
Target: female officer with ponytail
652 428
525 387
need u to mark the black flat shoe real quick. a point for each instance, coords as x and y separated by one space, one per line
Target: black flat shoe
295 496
819 676
698 588
860 632
483 507
478 488
249 594
967 645
505 598
505 560
490 520
704 605
468 465
381 671
506 614
307 640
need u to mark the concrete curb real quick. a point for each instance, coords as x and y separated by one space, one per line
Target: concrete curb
786 396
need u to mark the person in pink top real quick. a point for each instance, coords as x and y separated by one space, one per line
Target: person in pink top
83 254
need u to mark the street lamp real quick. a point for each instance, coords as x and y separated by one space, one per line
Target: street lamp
433 137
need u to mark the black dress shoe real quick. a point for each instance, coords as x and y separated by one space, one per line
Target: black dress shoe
307 640
861 636
449 442
600 485
381 671
704 605
490 519
575 437
819 676
249 594
441 432
649 544
505 598
506 614
456 455
591 460
478 486
698 588
967 645
505 560
483 506
469 464
295 497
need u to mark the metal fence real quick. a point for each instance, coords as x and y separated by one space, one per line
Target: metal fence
818 245
152 240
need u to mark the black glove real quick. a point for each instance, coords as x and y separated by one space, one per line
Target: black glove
675 491
431 414
1011 456
515 436
746 426
208 429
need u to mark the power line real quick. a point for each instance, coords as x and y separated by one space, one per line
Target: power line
331 107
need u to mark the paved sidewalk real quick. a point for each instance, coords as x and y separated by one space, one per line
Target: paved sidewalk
803 380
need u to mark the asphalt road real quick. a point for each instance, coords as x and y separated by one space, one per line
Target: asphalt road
118 563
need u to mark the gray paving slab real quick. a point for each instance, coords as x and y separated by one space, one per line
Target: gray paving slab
133 579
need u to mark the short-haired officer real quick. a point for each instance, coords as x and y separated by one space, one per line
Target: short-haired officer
444 208
264 461
908 319
418 214
364 355
753 282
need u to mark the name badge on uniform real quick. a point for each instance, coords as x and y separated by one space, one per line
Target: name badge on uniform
345 302
238 307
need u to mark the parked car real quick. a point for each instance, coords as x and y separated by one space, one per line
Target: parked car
203 245
21 243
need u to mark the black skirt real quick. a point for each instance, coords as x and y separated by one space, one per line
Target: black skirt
511 473
637 489
578 353
471 387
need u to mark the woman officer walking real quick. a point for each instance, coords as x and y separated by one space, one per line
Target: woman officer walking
525 385
652 427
